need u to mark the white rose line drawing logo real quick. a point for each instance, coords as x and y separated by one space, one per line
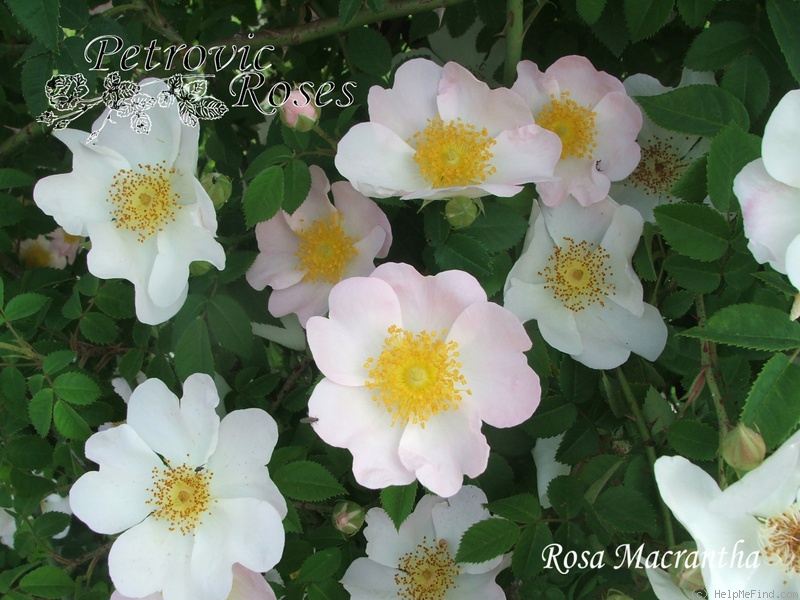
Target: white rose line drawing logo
67 95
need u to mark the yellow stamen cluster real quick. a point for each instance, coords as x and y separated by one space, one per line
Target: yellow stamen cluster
780 540
180 496
416 376
35 255
453 154
658 169
578 274
143 200
325 250
573 123
427 572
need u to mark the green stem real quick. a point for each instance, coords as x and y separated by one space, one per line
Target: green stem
321 133
115 10
532 17
708 364
21 138
649 450
320 28
514 36
157 23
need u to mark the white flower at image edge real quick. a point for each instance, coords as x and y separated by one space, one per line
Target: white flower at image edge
8 527
137 198
575 278
768 190
417 562
192 492
758 514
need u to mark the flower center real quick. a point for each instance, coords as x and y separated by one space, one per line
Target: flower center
35 255
578 274
416 376
427 572
780 540
573 123
180 496
453 154
143 200
325 250
658 169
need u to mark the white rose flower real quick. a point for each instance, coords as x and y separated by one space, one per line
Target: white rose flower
137 198
575 278
665 154
418 561
748 533
190 493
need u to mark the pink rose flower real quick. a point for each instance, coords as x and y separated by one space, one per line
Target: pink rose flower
595 119
413 366
769 191
303 255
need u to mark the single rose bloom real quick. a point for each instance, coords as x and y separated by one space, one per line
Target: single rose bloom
753 522
575 278
190 495
418 559
136 197
666 155
594 118
303 255
413 366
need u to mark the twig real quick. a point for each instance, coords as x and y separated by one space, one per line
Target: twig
320 28
649 450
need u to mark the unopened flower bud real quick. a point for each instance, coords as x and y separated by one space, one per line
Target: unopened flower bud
299 112
462 212
348 517
685 572
743 448
218 187
615 595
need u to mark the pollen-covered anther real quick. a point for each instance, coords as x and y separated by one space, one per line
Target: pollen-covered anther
180 496
143 200
780 539
427 573
579 274
453 154
659 169
325 249
573 123
416 376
